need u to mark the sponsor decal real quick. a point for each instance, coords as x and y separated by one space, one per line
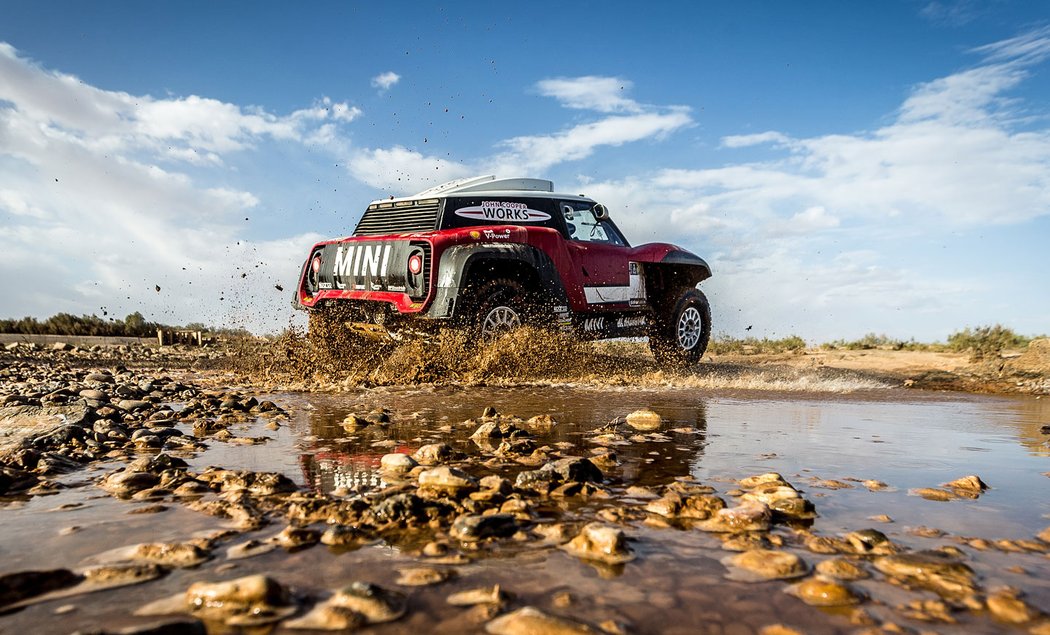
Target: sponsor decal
356 260
475 235
396 288
591 325
503 211
491 235
561 308
631 321
324 285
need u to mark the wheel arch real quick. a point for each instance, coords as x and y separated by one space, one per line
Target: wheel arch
467 266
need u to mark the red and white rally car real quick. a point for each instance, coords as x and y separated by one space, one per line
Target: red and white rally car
491 254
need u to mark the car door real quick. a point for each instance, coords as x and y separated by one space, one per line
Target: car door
599 256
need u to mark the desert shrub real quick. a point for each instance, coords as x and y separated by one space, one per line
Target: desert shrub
986 341
723 344
873 341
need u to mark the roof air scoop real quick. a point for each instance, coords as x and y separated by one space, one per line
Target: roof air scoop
488 183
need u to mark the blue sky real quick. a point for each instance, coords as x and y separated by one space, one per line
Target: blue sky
846 167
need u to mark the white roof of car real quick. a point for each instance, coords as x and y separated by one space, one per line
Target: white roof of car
488 184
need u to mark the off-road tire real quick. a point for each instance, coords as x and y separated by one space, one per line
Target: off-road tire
503 304
680 336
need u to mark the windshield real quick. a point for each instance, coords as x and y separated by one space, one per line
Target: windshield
584 225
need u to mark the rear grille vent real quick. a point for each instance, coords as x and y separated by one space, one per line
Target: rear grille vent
426 263
398 218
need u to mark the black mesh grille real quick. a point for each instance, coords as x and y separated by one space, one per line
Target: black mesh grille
426 263
398 218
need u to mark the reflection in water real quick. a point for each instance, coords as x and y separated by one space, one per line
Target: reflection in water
905 439
337 458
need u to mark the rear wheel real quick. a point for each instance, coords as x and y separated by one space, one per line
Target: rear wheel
680 337
502 307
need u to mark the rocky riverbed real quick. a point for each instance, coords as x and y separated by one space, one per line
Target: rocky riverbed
148 495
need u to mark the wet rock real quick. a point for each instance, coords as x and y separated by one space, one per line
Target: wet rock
676 505
1007 606
532 621
353 423
542 423
122 575
932 570
250 549
793 509
1044 535
480 527
554 473
933 494
405 507
971 484
397 463
447 479
255 599
870 542
473 597
124 483
16 587
645 419
818 591
763 480
344 536
875 486
769 494
764 564
422 576
297 537
170 554
433 454
832 484
750 516
376 604
600 542
842 569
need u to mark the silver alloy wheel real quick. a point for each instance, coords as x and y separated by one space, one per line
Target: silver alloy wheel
690 326
500 320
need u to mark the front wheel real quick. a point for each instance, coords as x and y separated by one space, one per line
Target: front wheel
681 337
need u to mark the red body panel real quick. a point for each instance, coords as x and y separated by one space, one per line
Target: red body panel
578 264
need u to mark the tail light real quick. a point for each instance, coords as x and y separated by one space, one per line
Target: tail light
416 282
415 264
313 273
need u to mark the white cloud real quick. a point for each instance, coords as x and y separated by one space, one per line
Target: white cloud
960 154
761 138
95 214
385 81
603 94
813 218
402 171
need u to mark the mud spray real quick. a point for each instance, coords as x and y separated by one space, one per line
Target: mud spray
330 358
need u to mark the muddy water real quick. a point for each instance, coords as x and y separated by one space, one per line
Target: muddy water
905 439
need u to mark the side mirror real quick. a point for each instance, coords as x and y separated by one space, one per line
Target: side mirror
568 212
601 212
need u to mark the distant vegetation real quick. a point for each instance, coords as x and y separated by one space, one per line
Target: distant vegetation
134 325
723 344
986 341
873 341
